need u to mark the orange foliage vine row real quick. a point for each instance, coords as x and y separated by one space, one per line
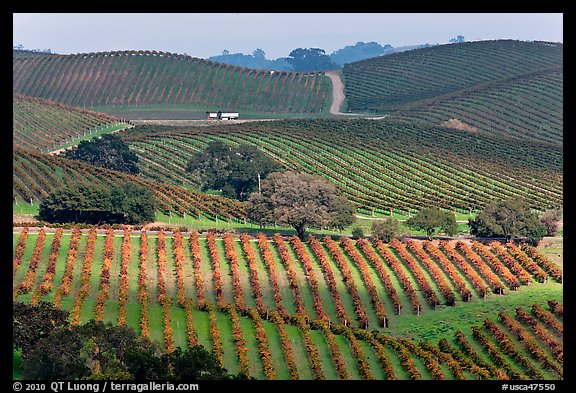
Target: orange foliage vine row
105 276
124 284
47 283
66 283
271 265
84 279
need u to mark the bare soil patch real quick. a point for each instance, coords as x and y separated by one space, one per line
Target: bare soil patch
459 125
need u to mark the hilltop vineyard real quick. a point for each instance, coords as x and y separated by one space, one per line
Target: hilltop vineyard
166 80
281 308
387 83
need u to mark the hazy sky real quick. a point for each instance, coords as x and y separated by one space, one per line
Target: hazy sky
204 34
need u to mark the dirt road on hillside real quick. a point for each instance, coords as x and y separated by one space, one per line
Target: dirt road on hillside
337 93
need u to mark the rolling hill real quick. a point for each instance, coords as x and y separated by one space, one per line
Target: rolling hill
387 83
380 165
35 175
139 81
45 125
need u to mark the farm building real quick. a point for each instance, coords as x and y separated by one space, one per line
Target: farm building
222 115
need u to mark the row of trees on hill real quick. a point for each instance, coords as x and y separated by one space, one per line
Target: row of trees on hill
306 59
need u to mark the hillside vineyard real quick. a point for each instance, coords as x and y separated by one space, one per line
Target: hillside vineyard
454 127
142 78
283 300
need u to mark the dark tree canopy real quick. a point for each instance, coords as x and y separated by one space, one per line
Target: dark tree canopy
235 170
31 323
108 151
300 200
359 51
386 229
125 203
432 220
98 350
310 60
511 218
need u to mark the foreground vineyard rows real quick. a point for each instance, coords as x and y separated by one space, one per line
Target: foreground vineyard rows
282 308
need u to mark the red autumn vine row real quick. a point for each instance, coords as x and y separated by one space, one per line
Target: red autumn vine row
524 277
311 349
303 256
271 265
556 308
477 282
547 318
484 270
84 279
253 270
454 365
239 341
143 297
190 328
402 277
509 348
124 283
168 331
547 265
217 349
430 363
349 281
470 353
322 258
527 263
178 250
364 271
434 271
494 354
466 362
236 284
449 268
529 343
47 283
330 338
105 276
197 261
276 319
66 283
421 279
289 267
370 338
358 354
26 285
403 354
218 287
19 253
384 276
263 346
556 346
510 279
161 271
